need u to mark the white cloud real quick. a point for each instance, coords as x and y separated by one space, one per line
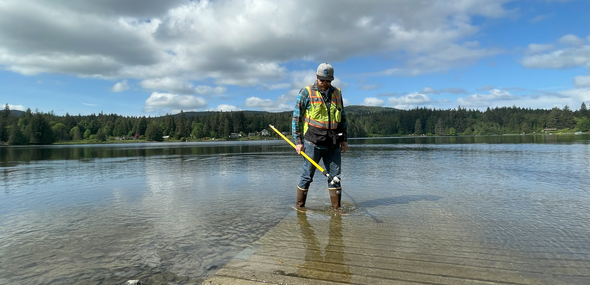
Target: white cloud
225 108
173 103
452 90
372 101
242 43
266 104
582 81
16 107
169 84
208 90
485 88
571 40
409 101
536 100
120 86
479 100
267 87
538 48
576 54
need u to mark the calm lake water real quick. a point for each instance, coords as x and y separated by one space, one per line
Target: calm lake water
177 212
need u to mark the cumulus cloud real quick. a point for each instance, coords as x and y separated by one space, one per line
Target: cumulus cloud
571 40
538 48
480 100
225 108
169 84
582 81
120 86
173 46
372 101
409 101
232 42
16 107
485 88
208 90
452 90
267 87
173 103
266 104
573 53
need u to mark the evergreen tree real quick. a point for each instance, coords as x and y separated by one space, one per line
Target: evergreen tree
583 110
140 126
154 132
197 131
566 118
16 136
169 125
39 131
6 113
101 136
182 126
418 128
69 121
553 118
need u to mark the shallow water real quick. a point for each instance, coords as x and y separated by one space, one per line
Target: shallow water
103 214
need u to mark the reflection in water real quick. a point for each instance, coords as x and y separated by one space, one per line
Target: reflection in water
331 265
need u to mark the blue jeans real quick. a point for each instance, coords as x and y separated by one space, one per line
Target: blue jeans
331 158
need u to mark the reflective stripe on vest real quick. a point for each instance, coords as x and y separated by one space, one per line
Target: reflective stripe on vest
317 114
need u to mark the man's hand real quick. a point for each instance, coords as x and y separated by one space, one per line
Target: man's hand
299 148
343 147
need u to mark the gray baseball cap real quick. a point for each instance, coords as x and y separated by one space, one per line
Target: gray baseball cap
325 72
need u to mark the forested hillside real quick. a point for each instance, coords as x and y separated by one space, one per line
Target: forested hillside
47 128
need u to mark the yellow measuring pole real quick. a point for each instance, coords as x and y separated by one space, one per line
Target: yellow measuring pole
302 153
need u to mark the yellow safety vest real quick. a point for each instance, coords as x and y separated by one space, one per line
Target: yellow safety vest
317 120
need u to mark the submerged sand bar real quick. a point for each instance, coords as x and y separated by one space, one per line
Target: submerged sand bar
320 248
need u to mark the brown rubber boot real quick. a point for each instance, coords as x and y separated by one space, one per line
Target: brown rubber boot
301 197
335 197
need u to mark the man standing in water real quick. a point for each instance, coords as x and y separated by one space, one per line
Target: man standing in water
319 129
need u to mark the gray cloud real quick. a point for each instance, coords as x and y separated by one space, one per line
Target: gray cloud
120 86
574 54
244 43
369 86
452 90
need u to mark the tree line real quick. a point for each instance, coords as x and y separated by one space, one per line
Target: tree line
46 128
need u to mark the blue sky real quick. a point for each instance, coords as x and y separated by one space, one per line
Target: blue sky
151 57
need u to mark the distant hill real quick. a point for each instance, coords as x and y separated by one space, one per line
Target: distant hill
208 113
15 112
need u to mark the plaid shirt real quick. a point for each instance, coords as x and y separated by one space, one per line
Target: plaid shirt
301 105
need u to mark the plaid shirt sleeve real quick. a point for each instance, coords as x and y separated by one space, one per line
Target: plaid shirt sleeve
345 124
298 113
